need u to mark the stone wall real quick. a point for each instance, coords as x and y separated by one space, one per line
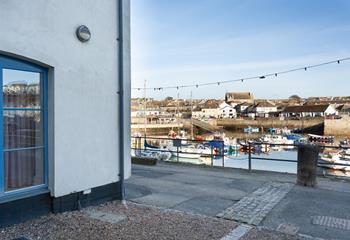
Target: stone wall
337 127
238 124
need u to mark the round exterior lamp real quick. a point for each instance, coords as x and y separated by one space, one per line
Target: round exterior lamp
83 33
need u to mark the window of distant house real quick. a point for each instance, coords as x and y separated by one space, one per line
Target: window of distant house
23 162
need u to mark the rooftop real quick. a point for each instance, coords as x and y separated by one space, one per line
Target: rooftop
306 108
239 95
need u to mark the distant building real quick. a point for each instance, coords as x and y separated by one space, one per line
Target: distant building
227 111
210 113
148 112
234 98
344 109
242 108
264 109
309 111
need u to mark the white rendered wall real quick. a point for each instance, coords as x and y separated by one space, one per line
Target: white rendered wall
83 84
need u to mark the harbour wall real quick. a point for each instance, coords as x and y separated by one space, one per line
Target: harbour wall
313 125
337 127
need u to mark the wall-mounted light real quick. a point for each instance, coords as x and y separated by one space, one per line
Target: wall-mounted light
83 33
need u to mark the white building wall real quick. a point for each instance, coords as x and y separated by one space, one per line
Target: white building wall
331 110
210 112
83 84
266 109
197 114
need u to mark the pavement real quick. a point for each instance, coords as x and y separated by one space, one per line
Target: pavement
269 202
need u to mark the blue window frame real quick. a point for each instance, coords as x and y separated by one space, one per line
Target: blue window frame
23 127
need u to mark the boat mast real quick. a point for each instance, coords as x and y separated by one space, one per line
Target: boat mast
191 103
144 108
177 114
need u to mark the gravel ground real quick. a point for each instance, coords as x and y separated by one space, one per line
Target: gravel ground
141 222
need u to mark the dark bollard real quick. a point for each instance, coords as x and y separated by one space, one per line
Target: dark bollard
307 165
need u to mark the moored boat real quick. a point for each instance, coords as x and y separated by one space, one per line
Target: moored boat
320 139
251 130
334 161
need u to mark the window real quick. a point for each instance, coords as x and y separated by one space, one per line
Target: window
23 161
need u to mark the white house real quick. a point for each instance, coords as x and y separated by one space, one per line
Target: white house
66 144
197 114
227 111
148 112
210 112
264 109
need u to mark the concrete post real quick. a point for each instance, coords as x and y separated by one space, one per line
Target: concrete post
307 165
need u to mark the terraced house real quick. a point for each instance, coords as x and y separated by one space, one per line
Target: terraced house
65 74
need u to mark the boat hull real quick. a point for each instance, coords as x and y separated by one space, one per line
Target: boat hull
187 155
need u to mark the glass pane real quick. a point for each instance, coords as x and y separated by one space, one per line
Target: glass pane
23 169
21 89
22 129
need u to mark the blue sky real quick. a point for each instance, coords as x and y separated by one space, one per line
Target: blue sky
197 41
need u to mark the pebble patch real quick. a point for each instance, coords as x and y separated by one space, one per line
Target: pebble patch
332 222
254 207
105 217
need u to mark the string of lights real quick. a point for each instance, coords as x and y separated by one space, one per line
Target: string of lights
274 74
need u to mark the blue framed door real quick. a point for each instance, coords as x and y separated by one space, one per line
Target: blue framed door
23 127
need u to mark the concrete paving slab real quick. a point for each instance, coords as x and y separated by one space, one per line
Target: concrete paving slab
265 234
244 184
205 205
238 232
288 228
136 191
105 216
166 200
197 183
182 187
150 173
300 206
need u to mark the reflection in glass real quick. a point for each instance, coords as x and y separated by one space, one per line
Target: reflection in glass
23 168
22 129
21 89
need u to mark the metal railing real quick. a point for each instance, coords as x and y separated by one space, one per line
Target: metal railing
138 143
295 146
177 146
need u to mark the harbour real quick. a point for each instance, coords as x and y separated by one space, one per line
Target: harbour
268 152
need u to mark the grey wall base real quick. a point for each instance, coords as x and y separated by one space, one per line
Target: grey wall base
24 209
76 201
